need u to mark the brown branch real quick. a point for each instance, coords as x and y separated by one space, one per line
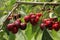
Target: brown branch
39 3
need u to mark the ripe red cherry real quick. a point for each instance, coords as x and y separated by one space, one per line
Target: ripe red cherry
17 23
14 30
10 26
42 26
33 22
27 18
23 26
33 17
36 19
55 26
48 23
38 14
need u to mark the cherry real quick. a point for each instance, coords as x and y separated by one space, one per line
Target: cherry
48 23
14 30
23 26
33 16
10 26
17 23
32 21
38 14
55 26
42 26
27 18
36 19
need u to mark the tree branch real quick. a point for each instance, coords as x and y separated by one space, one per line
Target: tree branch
16 5
39 3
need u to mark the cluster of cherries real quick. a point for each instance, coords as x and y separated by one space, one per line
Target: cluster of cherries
13 27
50 23
32 18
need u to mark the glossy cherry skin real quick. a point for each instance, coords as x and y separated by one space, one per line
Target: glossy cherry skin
27 18
23 26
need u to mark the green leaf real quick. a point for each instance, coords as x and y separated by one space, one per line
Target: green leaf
28 31
58 18
10 36
38 33
20 36
46 35
12 2
57 10
2 19
39 36
55 34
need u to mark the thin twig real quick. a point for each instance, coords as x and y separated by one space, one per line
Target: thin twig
16 5
39 3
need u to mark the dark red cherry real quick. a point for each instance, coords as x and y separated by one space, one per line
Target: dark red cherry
55 26
10 26
14 30
33 17
42 26
39 14
27 18
36 19
23 26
